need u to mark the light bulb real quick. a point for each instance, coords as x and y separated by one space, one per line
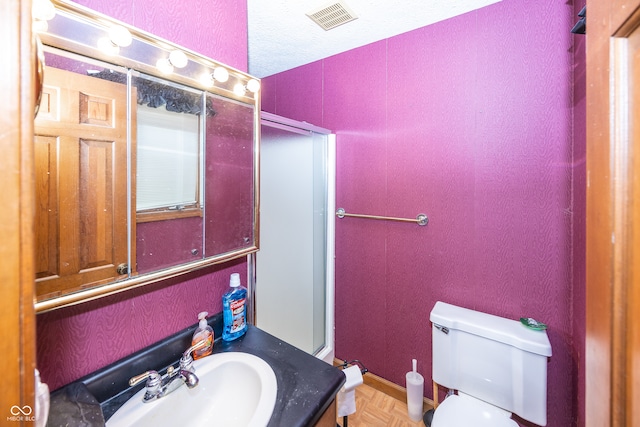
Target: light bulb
43 10
107 46
164 65
178 58
207 79
239 89
221 74
253 85
39 26
120 36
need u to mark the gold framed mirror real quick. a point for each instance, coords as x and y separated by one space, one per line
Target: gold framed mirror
146 159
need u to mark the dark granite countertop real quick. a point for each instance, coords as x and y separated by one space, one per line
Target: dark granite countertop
306 385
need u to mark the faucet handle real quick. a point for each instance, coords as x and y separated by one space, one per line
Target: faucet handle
196 346
152 375
186 360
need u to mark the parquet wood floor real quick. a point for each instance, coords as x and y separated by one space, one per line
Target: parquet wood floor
377 409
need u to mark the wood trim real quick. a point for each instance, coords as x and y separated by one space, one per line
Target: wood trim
630 363
632 336
599 228
164 214
612 248
387 387
17 256
621 155
393 390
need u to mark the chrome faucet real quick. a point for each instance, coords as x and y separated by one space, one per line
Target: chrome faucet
159 386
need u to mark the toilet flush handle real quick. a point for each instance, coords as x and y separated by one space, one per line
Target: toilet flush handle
441 328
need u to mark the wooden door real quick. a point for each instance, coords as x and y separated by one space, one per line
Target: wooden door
81 183
17 318
613 214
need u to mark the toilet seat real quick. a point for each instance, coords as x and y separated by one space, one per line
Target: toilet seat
462 410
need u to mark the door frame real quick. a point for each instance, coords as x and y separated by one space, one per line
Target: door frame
17 256
613 236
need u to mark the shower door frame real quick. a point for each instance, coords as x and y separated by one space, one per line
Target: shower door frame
327 351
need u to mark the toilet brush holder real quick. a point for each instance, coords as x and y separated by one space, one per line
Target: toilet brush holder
415 393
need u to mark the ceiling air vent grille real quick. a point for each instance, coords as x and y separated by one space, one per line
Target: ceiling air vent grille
332 15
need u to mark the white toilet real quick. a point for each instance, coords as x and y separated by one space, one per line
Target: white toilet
497 366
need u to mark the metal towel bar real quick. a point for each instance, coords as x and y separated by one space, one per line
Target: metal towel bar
421 219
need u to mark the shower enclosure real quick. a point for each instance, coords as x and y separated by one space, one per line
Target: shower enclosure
292 273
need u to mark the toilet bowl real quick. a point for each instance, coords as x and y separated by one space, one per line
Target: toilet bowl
462 410
497 366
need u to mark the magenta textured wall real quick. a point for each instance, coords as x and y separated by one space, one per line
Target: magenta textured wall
75 341
470 121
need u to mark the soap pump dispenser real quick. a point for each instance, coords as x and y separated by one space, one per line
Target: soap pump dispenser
203 332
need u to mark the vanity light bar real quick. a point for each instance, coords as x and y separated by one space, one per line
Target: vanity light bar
140 51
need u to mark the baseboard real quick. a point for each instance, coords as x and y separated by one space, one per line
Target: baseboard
387 387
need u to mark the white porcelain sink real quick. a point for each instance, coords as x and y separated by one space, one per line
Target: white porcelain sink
235 389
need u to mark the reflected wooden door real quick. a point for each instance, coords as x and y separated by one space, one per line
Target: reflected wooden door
81 183
613 214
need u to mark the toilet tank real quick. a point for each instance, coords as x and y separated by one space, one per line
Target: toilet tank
497 360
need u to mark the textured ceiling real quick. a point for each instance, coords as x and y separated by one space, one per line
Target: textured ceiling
282 37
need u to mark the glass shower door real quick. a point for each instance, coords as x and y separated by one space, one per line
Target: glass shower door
291 297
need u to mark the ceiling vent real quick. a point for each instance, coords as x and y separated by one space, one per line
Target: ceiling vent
332 15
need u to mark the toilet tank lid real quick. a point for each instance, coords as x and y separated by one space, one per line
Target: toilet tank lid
510 332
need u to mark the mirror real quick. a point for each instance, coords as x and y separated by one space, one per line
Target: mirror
168 168
229 221
146 160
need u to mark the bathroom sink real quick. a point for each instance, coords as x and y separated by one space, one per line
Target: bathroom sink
235 389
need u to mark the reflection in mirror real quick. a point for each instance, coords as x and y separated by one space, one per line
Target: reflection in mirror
81 177
229 173
169 208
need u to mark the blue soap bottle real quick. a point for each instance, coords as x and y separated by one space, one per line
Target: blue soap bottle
234 309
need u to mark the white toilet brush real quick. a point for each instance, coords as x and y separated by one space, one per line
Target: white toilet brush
415 393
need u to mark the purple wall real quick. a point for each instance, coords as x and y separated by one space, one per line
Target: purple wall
75 341
470 121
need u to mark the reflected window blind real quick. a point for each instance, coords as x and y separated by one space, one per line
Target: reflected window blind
167 158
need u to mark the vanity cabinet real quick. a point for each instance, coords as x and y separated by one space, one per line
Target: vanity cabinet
81 183
329 417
